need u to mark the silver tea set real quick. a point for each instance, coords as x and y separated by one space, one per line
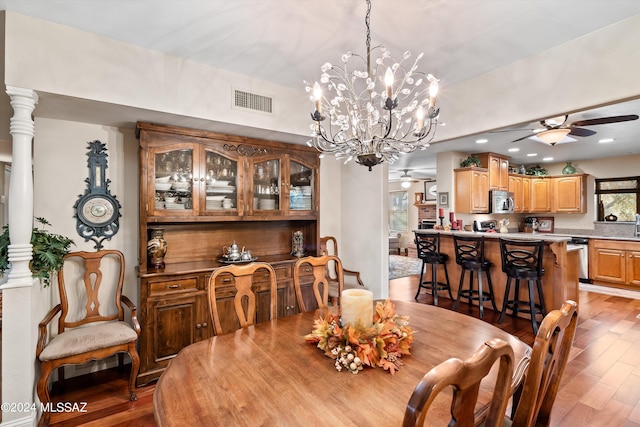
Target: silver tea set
233 253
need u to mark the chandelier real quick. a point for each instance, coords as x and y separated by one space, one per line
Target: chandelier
373 111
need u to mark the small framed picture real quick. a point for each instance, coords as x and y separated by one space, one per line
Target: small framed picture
443 199
545 224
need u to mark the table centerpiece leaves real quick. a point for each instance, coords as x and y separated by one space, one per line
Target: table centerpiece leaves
354 346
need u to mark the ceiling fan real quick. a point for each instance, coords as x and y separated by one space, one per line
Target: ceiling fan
406 179
557 128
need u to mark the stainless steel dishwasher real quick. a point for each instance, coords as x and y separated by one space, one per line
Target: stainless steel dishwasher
583 257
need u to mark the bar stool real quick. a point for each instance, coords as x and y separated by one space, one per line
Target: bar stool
522 260
428 246
470 256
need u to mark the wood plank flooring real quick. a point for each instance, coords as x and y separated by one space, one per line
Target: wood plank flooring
600 387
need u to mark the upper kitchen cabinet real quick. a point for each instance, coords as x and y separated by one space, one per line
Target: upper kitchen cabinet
472 190
187 174
569 194
540 199
498 166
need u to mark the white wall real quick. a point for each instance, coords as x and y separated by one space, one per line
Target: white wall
364 245
60 168
74 63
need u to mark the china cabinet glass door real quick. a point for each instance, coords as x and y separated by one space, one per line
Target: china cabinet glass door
172 182
221 189
266 185
301 187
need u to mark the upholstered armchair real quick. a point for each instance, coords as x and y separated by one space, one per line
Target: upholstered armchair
91 322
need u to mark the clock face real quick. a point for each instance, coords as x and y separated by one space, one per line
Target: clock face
97 210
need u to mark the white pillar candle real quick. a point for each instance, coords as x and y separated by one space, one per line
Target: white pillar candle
357 304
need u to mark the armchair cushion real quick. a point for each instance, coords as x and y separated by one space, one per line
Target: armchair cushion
82 340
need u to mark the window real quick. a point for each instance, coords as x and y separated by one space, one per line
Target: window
398 210
618 196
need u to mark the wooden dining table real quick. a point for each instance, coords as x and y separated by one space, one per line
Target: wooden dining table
268 375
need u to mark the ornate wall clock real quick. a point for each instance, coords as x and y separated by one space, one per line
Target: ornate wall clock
97 210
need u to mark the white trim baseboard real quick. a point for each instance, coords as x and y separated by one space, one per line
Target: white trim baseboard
625 293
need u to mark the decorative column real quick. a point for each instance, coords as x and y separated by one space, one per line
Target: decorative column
19 329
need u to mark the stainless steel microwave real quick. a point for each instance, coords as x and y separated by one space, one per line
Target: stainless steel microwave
501 202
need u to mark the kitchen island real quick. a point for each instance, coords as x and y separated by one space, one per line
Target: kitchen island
560 280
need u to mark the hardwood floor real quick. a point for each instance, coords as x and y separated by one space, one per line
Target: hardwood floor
600 386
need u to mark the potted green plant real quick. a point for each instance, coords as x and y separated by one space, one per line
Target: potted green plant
470 161
48 251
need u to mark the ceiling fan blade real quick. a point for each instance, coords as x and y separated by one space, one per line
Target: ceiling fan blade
524 137
581 132
605 120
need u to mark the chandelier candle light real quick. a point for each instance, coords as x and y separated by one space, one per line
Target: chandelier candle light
374 114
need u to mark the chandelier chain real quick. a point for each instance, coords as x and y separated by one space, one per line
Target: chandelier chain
367 22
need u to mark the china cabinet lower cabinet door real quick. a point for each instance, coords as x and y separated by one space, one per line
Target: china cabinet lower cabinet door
168 327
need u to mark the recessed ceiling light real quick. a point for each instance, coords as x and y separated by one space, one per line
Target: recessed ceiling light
482 141
547 159
513 150
605 140
532 154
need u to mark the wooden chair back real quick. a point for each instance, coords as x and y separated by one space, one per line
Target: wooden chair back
465 377
329 246
244 300
320 285
84 295
548 359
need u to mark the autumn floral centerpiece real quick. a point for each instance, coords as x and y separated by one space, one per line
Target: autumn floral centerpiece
355 346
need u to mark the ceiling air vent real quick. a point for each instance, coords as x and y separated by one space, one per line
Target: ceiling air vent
252 101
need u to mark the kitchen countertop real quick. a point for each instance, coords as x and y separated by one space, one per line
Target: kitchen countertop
593 236
521 236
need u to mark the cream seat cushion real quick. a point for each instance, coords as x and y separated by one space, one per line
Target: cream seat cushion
82 340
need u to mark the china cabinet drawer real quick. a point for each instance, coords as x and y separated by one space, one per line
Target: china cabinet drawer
173 286
259 277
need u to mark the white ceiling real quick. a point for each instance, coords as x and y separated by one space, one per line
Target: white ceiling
286 41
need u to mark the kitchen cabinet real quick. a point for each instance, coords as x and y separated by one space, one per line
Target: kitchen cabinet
615 262
498 167
540 198
520 186
526 194
206 190
471 190
569 194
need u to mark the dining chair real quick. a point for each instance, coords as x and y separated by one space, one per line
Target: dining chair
318 266
464 378
244 300
92 324
534 400
329 246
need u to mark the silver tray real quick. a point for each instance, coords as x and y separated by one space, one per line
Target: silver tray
238 261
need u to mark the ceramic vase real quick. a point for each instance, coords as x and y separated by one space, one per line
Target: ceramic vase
156 248
568 169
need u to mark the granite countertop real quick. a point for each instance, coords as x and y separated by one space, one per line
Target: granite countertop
521 236
595 236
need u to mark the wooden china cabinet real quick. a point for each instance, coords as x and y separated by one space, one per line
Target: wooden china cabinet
206 190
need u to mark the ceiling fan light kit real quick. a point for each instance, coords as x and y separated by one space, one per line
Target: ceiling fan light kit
553 136
373 111
557 129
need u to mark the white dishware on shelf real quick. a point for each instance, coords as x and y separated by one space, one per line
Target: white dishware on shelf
181 185
163 186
